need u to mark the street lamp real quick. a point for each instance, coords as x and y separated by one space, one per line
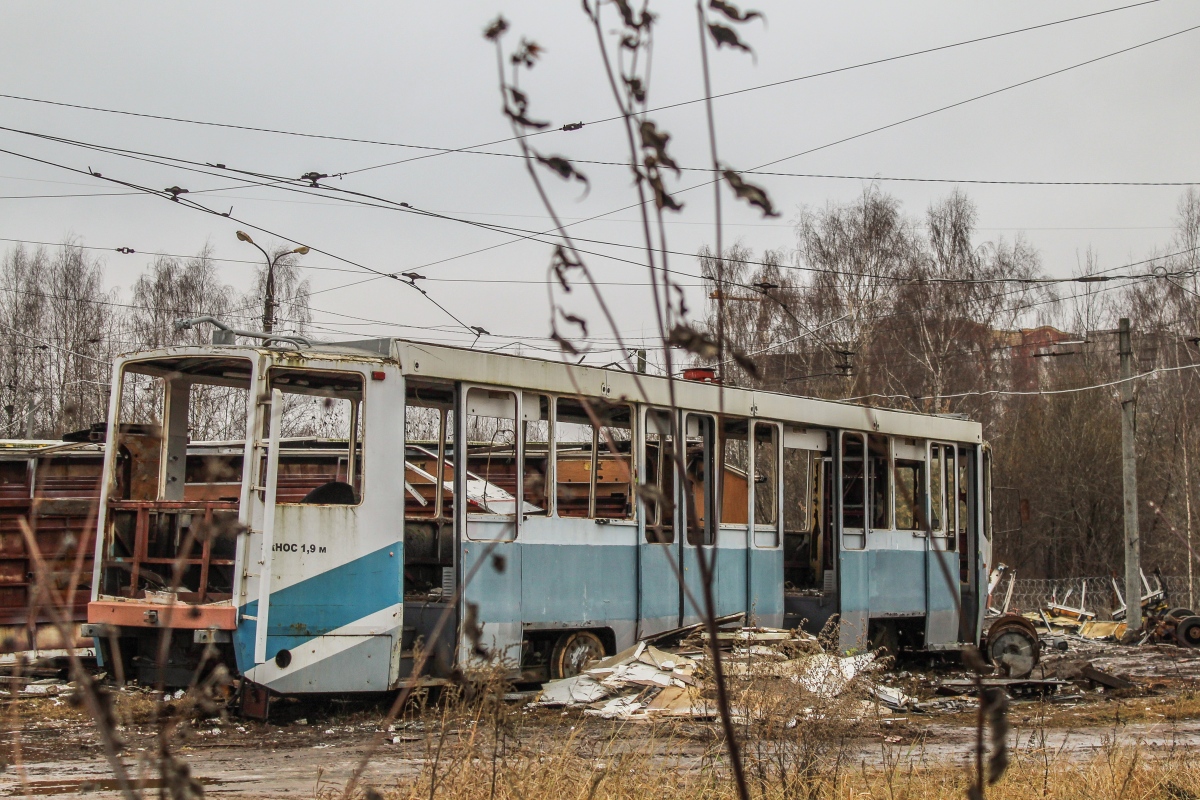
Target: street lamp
268 322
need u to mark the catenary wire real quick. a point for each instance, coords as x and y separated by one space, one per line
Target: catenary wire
187 202
440 150
885 127
788 157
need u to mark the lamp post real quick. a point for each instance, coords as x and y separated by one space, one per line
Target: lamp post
268 322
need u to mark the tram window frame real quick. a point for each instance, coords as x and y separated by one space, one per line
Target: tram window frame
963 491
879 467
734 451
608 434
487 402
987 493
854 482
797 486
537 419
916 504
575 418
768 439
700 509
355 452
943 482
436 397
595 410
935 494
152 464
658 512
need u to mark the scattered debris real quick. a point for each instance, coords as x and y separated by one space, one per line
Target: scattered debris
1105 679
1015 687
49 687
894 698
645 681
1103 629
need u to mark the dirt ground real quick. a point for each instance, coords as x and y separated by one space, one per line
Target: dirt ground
310 748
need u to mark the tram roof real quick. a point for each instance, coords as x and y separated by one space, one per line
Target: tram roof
448 362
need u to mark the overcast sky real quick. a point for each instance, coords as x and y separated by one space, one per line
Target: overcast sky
421 74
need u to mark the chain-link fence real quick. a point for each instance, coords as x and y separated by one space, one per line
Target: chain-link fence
1029 594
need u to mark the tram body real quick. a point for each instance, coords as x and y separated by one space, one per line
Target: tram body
482 507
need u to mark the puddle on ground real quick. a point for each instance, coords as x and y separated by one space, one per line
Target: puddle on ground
88 785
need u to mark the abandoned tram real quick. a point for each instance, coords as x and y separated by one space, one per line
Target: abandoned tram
353 505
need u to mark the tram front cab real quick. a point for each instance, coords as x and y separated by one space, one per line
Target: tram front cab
244 520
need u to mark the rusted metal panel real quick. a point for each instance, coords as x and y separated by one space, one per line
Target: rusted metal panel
53 487
141 614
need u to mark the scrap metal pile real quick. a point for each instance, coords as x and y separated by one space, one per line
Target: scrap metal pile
1061 625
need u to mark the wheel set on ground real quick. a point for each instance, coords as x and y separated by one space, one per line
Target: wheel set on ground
1013 646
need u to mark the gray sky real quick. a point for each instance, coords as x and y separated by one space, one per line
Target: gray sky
422 74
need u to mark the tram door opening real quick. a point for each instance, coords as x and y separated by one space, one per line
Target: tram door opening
429 526
942 566
809 548
854 564
659 592
968 541
698 503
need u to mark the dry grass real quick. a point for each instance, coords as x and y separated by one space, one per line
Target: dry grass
1113 710
568 770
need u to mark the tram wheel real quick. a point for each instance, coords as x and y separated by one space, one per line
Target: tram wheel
572 652
1188 632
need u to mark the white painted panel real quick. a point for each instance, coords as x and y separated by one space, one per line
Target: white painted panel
802 439
486 403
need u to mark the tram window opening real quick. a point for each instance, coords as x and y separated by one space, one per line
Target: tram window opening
734 474
180 436
936 498
766 473
167 404
217 413
949 502
853 482
574 458
535 426
963 489
427 426
987 495
797 499
701 461
966 493
910 494
594 465
659 498
320 436
612 488
428 486
879 448
492 452
801 538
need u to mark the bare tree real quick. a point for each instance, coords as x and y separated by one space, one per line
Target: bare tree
171 289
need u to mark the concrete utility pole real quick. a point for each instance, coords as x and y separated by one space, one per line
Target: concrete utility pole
268 322
1133 546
